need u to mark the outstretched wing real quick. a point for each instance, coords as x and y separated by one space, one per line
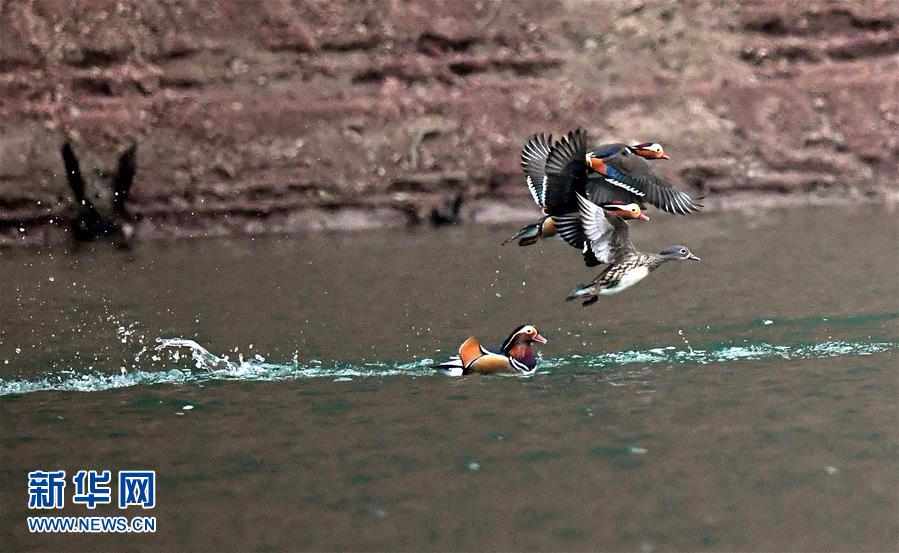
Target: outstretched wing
566 172
569 228
124 178
620 241
73 174
601 192
533 161
607 235
632 173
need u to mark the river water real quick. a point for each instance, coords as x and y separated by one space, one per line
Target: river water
281 389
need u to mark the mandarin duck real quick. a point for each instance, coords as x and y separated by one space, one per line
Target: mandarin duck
106 218
615 173
561 215
627 266
626 171
516 355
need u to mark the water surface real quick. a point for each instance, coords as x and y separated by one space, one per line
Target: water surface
747 402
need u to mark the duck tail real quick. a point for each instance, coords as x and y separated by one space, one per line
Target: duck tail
526 236
453 367
469 351
584 291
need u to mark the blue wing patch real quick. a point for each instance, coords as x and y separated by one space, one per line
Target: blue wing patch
614 173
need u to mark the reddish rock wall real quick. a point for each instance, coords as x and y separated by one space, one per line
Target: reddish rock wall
285 116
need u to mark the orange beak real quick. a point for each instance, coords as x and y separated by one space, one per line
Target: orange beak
664 156
642 217
539 339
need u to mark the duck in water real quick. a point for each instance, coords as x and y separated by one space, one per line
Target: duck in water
516 355
100 212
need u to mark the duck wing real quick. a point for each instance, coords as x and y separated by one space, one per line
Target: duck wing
600 191
606 235
630 172
470 351
566 173
621 242
568 227
124 178
73 176
533 162
492 363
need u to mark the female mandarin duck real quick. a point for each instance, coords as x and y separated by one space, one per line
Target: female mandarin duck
627 266
544 170
517 355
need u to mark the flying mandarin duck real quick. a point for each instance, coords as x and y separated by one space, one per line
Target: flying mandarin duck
627 266
553 172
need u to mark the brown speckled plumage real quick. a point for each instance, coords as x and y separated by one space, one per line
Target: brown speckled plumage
614 272
627 268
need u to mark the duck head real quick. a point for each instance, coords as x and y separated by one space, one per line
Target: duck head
649 150
677 252
519 344
625 211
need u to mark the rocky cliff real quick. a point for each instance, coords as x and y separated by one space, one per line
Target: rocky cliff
286 116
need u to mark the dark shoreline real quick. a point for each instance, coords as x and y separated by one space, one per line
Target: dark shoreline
348 220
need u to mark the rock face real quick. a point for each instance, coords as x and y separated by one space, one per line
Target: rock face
286 116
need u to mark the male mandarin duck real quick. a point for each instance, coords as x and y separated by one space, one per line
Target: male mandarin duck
516 355
536 152
627 266
615 173
544 170
625 169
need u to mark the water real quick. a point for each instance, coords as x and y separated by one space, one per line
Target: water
281 389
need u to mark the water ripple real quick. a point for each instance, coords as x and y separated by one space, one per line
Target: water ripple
208 366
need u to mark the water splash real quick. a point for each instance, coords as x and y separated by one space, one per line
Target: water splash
208 366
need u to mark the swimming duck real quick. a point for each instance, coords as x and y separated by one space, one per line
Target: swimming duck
626 172
516 355
107 218
627 266
561 217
